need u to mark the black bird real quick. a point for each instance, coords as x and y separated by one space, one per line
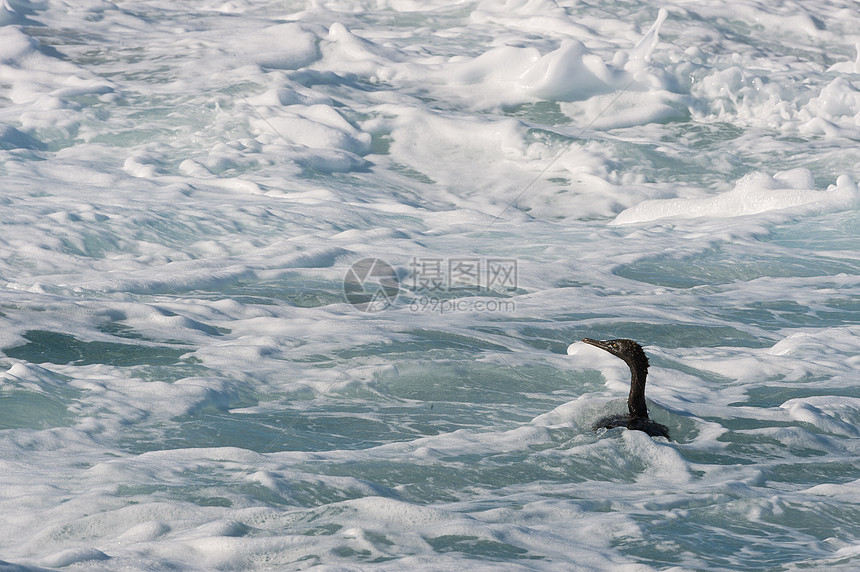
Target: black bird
637 361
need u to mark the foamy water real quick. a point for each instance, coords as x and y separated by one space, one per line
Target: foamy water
295 284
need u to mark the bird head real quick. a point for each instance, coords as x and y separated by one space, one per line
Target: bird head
628 350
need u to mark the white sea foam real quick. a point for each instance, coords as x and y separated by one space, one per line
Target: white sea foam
756 193
185 383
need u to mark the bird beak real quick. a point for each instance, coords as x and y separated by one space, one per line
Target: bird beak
600 344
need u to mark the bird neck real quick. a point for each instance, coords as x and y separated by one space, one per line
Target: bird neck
636 400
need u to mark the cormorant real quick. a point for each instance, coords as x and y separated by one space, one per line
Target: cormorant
637 361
